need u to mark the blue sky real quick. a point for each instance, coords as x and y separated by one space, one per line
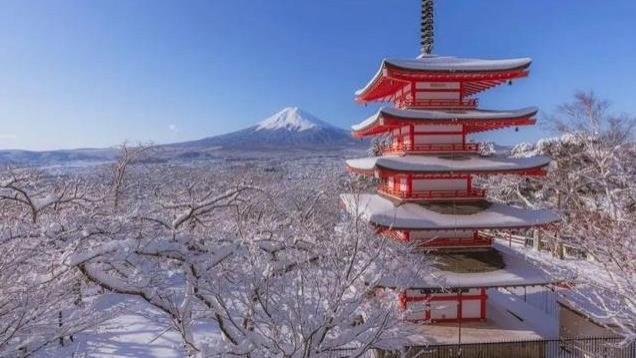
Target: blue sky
94 73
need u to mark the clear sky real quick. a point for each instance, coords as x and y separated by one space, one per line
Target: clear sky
94 73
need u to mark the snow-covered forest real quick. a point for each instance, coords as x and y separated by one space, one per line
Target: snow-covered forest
250 257
257 257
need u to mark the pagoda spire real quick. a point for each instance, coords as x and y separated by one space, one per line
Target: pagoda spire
427 33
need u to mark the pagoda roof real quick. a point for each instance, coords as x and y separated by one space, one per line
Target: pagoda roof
413 216
445 163
484 73
517 271
475 119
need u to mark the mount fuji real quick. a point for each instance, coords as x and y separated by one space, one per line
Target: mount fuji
291 128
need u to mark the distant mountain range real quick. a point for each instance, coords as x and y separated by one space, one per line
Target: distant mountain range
291 129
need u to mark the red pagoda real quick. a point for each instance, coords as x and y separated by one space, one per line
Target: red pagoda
427 194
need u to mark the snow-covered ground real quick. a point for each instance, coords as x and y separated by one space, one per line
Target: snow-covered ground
136 330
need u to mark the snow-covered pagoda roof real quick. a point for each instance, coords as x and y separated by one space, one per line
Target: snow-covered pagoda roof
444 163
474 119
395 73
458 64
413 216
517 271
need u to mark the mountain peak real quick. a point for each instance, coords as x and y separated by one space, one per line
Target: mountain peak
292 119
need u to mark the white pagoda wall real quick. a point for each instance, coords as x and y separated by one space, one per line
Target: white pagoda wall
438 138
454 95
437 85
439 184
441 234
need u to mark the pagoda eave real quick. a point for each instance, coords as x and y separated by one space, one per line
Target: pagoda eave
384 172
518 272
388 119
439 166
395 74
382 212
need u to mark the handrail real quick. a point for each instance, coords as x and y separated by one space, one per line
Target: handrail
450 147
437 103
433 194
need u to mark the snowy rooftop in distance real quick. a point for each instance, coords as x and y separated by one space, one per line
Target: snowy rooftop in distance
445 163
441 115
381 211
433 63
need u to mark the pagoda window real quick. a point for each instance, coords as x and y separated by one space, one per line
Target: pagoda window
437 234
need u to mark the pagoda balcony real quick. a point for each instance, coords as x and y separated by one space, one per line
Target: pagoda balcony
452 243
397 148
466 103
426 195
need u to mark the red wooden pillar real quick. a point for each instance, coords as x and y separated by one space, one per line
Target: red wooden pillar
459 305
412 136
463 137
427 310
402 298
483 304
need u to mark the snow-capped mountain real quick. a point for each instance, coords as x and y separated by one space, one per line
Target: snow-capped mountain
292 119
291 128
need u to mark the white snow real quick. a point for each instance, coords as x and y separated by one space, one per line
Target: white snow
292 119
432 115
383 212
136 330
545 323
438 163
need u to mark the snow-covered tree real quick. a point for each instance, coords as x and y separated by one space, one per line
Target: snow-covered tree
591 183
40 298
270 259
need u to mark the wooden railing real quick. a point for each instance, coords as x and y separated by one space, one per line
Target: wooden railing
433 194
436 103
432 148
564 347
